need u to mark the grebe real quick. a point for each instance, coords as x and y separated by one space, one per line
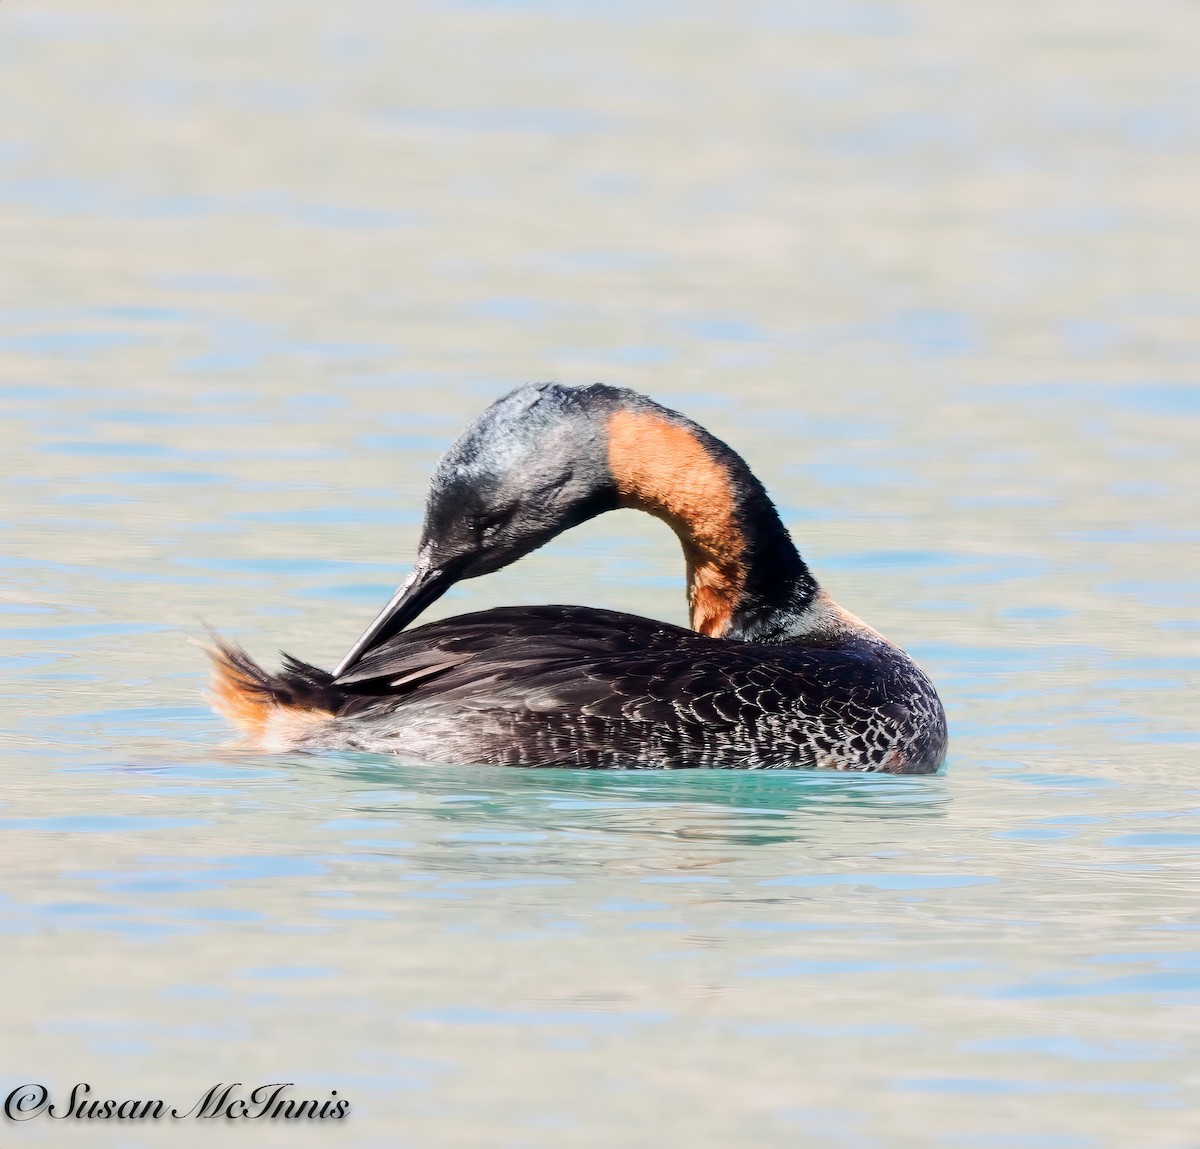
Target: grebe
776 674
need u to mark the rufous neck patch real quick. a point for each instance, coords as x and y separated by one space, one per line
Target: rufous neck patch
664 469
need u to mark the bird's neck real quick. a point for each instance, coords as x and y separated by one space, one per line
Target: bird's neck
745 578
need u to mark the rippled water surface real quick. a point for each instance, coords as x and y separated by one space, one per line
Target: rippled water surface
930 267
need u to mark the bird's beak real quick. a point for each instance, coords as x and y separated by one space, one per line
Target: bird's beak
425 584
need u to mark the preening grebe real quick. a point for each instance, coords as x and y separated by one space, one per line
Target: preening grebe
778 674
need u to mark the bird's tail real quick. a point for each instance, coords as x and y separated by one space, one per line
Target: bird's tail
281 711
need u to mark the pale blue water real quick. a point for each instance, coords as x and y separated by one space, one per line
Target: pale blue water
929 270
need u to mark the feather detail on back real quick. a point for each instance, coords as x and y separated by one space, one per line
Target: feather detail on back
581 687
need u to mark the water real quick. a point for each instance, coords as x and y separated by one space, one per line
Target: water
930 268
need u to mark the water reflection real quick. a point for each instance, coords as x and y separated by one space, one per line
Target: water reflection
746 807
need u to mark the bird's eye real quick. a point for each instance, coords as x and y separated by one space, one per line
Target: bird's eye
486 525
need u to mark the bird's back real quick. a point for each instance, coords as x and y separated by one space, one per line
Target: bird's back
588 688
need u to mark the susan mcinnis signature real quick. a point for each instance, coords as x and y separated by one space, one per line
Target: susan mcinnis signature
231 1102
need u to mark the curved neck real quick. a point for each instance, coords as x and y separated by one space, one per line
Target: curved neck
745 578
